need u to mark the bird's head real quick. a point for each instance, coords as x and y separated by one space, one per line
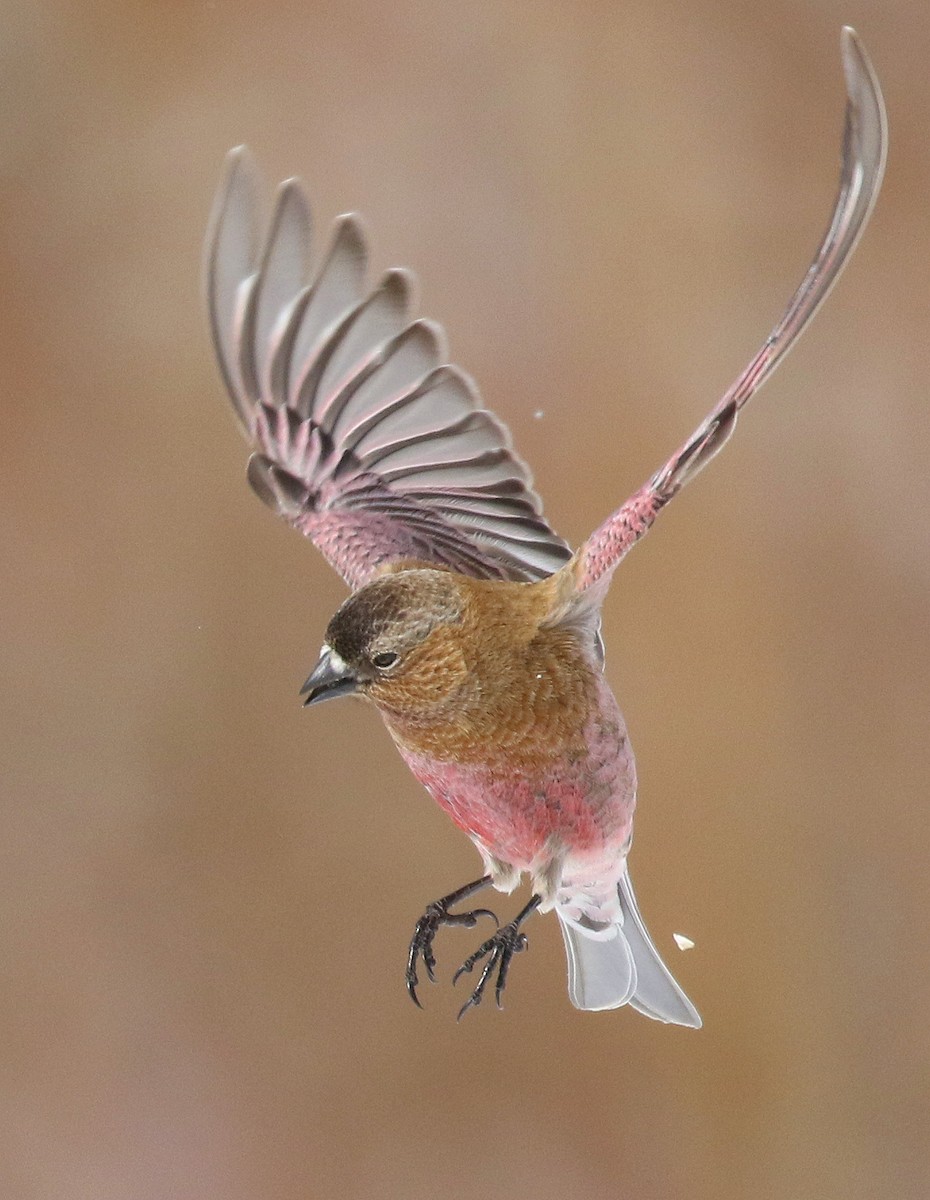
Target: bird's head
397 641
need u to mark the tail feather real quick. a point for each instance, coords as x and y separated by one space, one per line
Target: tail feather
601 973
620 965
657 995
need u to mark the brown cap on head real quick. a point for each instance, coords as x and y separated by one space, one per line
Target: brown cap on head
393 614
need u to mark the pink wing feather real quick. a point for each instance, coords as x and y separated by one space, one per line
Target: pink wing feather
362 439
863 163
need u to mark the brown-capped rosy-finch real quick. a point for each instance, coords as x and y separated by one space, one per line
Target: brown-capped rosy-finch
471 626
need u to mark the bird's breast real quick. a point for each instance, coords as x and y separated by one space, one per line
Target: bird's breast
513 705
539 758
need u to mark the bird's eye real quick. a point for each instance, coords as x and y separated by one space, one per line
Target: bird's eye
385 660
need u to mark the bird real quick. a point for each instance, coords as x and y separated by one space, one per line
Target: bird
471 626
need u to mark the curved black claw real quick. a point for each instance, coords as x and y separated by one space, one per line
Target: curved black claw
437 914
499 949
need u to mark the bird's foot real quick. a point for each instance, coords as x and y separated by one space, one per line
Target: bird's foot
437 914
498 950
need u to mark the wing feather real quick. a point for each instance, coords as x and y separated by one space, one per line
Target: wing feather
232 248
283 275
405 363
862 167
336 292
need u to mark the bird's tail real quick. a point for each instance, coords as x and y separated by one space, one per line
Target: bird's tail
617 965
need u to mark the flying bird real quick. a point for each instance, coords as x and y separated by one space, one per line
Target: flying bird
471 626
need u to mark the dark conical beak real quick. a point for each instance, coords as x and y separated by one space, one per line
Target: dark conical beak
330 678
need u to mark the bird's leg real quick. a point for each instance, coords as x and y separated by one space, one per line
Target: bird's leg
437 913
499 950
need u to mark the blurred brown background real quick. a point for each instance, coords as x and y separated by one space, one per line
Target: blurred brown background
206 892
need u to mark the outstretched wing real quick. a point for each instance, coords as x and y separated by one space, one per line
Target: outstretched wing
863 162
363 439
